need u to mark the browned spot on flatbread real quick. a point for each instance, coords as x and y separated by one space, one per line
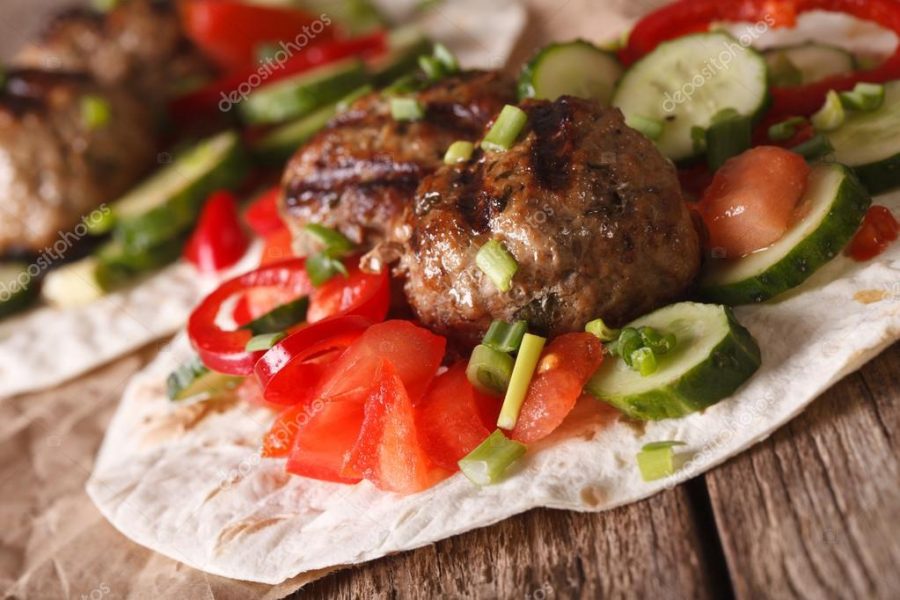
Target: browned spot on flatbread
593 496
183 419
246 527
870 296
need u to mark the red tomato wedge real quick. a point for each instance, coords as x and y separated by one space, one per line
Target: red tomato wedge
218 240
753 200
414 353
358 293
453 418
389 452
565 367
326 432
262 215
879 229
231 33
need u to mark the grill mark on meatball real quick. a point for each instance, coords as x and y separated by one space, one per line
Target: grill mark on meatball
550 153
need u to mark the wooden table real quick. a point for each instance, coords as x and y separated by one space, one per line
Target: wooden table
812 512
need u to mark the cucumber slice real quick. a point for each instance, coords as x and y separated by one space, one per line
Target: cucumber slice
168 203
280 144
118 264
17 289
194 379
836 204
869 143
300 95
280 318
405 46
576 68
713 357
684 83
75 284
812 61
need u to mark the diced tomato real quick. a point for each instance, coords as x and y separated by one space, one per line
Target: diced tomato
278 246
231 33
879 229
414 352
262 215
218 240
453 418
566 365
325 436
359 293
753 200
388 451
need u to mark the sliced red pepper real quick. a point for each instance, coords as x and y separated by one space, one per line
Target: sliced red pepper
290 371
359 293
223 93
263 216
879 229
277 247
222 350
219 240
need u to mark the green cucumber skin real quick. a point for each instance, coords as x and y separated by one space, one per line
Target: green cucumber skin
879 177
400 62
280 144
819 248
525 84
284 102
118 265
21 300
194 378
734 360
178 214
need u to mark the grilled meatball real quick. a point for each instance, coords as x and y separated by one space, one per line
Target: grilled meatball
139 43
54 166
591 211
361 172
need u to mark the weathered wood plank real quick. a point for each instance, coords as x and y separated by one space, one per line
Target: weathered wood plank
651 549
814 511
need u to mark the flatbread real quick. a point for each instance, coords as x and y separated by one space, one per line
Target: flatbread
189 482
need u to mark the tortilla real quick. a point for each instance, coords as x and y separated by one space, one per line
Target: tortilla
189 482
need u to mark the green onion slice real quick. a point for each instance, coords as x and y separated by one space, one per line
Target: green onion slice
459 151
815 147
785 130
498 264
443 55
783 72
656 460
406 109
505 337
644 361
331 240
698 139
323 266
505 130
280 318
489 461
523 371
729 134
490 370
831 115
652 128
432 67
864 97
600 329
95 112
264 341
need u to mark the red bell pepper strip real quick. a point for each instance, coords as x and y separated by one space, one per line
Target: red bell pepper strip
222 350
222 93
218 241
262 216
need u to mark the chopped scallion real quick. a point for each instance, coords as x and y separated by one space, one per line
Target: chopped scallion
505 337
644 361
831 115
406 109
280 318
489 370
498 264
330 239
505 130
656 460
783 72
815 147
322 266
864 97
729 134
95 112
698 139
629 341
652 128
264 341
523 371
104 5
600 329
659 343
405 85
785 130
490 460
459 151
432 67
443 55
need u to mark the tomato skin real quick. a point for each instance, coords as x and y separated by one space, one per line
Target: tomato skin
325 433
878 230
389 452
218 240
453 417
566 365
359 293
278 246
262 215
753 199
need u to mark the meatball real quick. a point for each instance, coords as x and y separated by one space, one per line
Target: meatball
361 172
589 208
139 43
55 166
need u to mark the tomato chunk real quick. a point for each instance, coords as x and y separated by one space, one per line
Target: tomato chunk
565 367
879 229
753 200
454 417
389 452
278 246
326 433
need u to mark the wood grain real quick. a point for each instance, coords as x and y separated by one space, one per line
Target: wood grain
651 549
814 512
